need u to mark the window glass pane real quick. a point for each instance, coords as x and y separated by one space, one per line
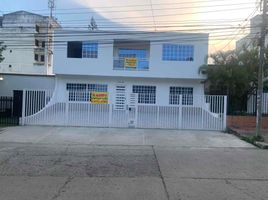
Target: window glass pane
90 50
175 52
74 49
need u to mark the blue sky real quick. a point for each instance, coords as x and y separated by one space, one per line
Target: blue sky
202 15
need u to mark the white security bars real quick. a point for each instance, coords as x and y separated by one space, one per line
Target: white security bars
186 112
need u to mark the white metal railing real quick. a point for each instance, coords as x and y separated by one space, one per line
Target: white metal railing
205 112
142 64
252 104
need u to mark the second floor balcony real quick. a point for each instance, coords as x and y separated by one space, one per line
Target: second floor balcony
134 64
131 55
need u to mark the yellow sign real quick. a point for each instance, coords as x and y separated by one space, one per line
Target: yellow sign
99 97
130 62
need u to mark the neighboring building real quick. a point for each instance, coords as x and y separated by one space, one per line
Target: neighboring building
252 39
29 39
18 82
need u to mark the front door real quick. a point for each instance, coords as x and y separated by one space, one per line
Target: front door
120 97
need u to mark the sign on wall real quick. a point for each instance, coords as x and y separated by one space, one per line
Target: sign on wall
130 62
99 97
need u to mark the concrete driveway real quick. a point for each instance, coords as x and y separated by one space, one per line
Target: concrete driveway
95 163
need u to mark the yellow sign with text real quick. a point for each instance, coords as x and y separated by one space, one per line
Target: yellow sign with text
99 97
130 62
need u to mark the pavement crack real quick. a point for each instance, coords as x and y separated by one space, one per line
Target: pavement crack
62 188
160 173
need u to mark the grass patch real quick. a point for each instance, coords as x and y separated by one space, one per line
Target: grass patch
252 139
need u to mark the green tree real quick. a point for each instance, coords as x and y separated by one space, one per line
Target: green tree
234 74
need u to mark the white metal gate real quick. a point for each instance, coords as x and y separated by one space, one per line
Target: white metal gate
203 113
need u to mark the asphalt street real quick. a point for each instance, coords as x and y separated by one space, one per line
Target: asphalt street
46 163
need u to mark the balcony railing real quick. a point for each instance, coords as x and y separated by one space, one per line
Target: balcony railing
139 64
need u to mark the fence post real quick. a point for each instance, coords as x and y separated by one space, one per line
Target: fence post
23 107
66 118
110 114
180 111
225 113
157 118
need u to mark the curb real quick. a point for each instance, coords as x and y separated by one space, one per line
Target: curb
262 145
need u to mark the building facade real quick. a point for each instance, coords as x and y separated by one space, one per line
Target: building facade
252 39
128 79
28 38
153 65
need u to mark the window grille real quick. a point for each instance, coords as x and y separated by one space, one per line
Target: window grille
146 94
177 52
81 91
186 92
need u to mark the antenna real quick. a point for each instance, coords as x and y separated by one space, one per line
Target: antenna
93 25
51 6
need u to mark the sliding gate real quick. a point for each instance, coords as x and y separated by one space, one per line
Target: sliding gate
204 113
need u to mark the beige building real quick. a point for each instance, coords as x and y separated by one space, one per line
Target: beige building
28 38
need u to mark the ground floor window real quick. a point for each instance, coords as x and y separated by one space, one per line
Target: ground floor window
146 94
81 91
186 92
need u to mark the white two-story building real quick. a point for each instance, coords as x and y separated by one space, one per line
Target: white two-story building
140 79
151 64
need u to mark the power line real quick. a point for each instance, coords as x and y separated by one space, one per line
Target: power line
250 15
134 5
153 14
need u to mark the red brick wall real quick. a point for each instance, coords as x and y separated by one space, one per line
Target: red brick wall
245 122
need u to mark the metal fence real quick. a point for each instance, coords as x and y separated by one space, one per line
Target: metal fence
204 113
6 112
252 104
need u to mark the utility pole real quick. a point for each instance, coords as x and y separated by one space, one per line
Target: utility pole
51 6
260 71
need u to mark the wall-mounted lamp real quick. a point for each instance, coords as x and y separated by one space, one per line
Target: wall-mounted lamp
1 78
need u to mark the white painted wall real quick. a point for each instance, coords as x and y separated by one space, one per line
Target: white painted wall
103 65
12 82
162 86
19 54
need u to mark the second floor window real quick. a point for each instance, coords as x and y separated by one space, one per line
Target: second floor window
177 52
90 50
78 49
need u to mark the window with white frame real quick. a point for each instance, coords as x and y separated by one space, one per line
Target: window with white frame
97 87
77 92
90 50
146 94
85 49
186 92
81 91
177 52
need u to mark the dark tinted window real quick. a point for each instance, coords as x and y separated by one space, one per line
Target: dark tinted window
36 57
42 58
74 50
